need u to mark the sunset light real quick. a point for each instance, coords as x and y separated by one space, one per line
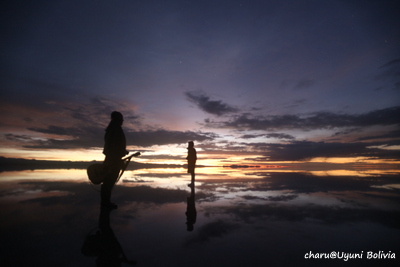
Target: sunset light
261 93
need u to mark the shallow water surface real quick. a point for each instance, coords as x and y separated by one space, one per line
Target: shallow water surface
232 217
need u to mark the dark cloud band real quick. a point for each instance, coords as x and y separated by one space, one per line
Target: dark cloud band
318 120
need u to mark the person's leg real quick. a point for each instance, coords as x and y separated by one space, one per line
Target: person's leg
191 171
193 176
107 187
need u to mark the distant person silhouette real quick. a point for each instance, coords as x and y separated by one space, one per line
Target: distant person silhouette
191 212
191 159
114 150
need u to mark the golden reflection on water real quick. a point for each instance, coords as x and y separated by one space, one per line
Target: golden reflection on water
388 186
208 173
359 173
72 175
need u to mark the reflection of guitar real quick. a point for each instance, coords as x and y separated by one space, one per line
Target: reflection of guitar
104 244
96 172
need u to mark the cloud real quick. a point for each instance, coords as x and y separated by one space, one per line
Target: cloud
215 107
301 183
57 130
271 198
81 125
212 230
347 131
19 138
341 215
75 193
392 134
303 84
279 136
303 150
251 136
90 137
391 63
165 137
97 110
297 84
317 120
269 135
390 72
299 150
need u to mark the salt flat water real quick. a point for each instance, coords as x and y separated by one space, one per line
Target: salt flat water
231 217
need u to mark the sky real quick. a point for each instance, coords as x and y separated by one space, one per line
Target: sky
247 81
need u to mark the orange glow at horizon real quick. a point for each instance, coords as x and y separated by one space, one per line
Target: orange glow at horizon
176 155
343 160
359 173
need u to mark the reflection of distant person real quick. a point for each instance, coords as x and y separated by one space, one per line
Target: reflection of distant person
191 212
114 150
191 158
104 244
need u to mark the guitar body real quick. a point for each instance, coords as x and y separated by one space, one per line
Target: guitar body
96 173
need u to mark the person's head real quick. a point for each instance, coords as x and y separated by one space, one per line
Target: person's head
117 117
190 144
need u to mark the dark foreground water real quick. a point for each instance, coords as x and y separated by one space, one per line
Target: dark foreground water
246 217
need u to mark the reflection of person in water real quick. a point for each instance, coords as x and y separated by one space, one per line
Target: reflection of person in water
191 158
104 244
191 212
114 150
